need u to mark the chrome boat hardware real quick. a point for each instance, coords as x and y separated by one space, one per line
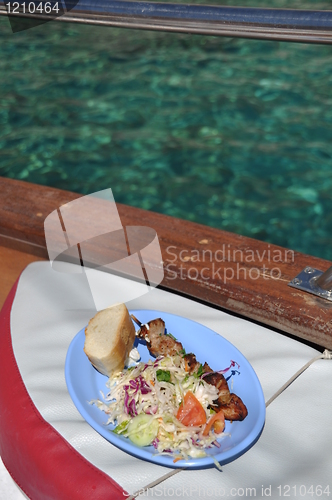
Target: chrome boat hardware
314 281
292 25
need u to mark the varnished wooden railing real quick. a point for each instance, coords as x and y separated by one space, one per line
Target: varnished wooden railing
233 272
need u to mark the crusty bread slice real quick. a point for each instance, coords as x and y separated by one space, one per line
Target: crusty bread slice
109 338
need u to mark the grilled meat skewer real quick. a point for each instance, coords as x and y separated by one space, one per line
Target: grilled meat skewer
160 344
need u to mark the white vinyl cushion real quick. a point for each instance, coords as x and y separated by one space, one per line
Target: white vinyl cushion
294 450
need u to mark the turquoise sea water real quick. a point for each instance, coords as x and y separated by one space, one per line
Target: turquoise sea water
236 134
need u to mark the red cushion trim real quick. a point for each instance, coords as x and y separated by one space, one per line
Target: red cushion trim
40 460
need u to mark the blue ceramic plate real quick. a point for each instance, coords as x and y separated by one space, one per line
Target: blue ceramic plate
85 383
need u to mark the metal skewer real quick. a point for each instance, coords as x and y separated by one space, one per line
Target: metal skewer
137 321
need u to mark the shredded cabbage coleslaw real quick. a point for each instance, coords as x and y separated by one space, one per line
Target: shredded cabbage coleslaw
159 403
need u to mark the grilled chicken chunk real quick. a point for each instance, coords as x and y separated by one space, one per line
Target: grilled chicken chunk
160 344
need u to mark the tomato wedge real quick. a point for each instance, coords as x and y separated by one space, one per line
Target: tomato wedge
217 421
191 412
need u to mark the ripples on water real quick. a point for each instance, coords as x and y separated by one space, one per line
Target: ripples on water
236 134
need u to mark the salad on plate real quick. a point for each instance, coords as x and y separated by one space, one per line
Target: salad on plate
160 403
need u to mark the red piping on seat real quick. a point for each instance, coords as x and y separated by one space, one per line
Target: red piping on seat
40 460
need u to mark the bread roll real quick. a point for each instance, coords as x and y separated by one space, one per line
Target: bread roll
109 338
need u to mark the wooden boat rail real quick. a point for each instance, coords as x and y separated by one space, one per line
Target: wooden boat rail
238 274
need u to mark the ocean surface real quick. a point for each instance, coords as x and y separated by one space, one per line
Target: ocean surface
235 134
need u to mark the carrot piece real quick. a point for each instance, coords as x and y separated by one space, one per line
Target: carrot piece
191 412
217 421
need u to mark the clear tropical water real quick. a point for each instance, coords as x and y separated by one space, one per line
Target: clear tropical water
235 134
